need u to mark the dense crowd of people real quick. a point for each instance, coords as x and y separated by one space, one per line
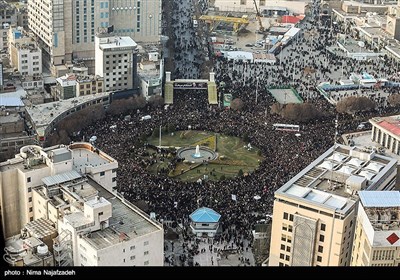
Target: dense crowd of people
285 154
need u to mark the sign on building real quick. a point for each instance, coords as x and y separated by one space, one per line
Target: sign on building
227 99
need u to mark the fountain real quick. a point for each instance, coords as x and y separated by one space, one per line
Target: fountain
197 153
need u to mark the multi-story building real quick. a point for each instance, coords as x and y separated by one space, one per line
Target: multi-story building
266 7
116 61
314 213
89 84
65 87
25 55
8 17
386 131
73 187
377 233
67 29
72 85
19 175
43 118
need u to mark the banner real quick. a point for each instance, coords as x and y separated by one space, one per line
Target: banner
227 99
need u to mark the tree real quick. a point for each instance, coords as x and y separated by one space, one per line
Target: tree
237 104
156 101
355 104
394 100
240 173
300 112
276 108
139 102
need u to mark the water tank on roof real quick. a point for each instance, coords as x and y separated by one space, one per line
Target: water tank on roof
42 249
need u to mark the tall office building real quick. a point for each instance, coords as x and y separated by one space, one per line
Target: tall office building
314 213
377 233
67 29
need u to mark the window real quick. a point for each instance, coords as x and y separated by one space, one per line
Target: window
282 256
146 253
291 217
30 209
282 247
290 228
287 258
319 259
30 199
132 258
283 237
146 243
285 215
133 247
102 173
287 249
146 263
29 189
280 264
28 179
284 227
323 227
321 238
320 249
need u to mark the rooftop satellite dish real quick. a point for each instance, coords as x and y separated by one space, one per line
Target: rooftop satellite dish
361 44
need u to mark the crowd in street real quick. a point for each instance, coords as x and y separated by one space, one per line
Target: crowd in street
285 154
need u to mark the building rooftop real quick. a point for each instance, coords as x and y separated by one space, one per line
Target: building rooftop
205 215
383 211
61 178
127 222
116 42
41 228
391 124
380 198
44 114
332 180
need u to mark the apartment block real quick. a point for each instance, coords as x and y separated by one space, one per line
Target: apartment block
314 213
377 233
116 61
8 17
25 55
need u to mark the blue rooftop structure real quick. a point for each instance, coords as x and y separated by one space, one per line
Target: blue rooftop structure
205 215
380 198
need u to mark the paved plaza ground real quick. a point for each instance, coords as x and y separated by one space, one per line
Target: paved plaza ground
228 257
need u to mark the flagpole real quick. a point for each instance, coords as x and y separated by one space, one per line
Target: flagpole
159 143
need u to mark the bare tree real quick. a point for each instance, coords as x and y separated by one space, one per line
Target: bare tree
156 101
355 104
237 104
276 108
394 100
300 112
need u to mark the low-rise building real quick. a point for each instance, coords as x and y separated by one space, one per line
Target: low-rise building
204 221
386 131
377 233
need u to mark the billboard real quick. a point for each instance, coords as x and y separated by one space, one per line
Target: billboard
227 99
190 85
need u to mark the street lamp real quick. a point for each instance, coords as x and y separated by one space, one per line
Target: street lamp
150 17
